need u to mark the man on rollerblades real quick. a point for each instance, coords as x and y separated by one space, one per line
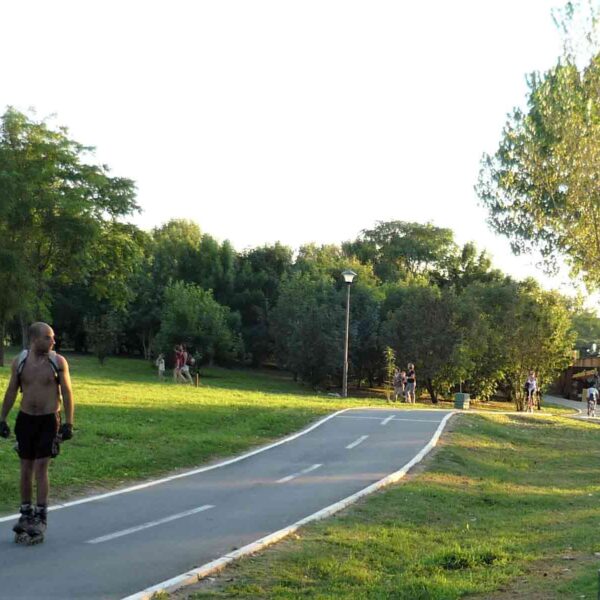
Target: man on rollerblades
43 378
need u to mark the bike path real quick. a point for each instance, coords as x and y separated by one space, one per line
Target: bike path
117 545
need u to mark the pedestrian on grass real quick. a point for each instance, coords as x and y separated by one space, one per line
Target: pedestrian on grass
530 390
177 377
187 361
398 384
160 364
411 383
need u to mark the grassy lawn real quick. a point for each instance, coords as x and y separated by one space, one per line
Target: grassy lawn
129 426
508 507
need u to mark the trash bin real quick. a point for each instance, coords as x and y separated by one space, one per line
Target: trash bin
461 400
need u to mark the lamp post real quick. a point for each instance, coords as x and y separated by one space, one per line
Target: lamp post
348 278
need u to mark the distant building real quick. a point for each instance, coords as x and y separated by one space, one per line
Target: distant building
581 374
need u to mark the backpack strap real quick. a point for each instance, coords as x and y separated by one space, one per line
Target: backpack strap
54 364
22 359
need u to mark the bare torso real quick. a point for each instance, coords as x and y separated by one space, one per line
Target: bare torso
40 391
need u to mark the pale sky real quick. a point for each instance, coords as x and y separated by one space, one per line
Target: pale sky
292 121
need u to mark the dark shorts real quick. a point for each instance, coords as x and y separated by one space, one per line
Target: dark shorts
37 435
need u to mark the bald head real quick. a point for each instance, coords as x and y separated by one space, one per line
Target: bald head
39 329
41 337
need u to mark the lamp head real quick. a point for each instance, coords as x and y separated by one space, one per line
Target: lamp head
348 276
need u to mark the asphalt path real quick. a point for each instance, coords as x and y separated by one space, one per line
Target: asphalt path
124 542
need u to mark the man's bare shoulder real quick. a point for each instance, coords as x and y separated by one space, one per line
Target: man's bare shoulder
61 361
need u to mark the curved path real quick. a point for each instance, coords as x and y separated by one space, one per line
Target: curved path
116 544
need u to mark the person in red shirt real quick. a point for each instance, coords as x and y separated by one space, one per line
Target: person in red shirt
179 362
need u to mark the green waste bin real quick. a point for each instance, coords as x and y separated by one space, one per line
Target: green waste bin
461 400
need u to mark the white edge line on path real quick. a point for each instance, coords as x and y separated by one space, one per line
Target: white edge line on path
117 534
387 420
195 575
355 443
147 484
303 472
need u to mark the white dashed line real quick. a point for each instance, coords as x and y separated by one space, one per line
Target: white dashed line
386 421
396 418
416 420
349 417
304 472
117 534
360 440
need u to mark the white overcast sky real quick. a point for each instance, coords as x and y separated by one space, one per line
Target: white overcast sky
293 121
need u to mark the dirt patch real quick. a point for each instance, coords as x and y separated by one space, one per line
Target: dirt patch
540 579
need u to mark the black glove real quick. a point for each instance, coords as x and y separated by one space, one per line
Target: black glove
66 431
4 429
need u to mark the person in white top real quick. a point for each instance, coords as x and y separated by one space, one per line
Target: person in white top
530 390
160 364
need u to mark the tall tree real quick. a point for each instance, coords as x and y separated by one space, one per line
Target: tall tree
430 328
541 186
258 279
587 327
56 211
400 251
308 324
192 316
176 251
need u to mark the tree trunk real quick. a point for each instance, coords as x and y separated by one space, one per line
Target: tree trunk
24 335
431 390
144 346
2 334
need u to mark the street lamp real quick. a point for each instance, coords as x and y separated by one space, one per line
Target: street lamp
348 278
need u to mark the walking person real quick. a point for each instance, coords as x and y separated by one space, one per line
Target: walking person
411 384
178 364
403 380
187 361
398 384
530 390
43 378
592 400
160 364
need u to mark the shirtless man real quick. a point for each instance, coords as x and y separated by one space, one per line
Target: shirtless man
43 377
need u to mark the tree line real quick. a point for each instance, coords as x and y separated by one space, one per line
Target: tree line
68 255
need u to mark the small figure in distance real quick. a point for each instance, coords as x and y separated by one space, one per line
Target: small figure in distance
592 400
188 361
403 378
530 390
411 384
160 364
177 377
398 385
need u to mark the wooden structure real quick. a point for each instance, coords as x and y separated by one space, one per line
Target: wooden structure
577 377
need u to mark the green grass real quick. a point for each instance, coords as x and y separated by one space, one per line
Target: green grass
131 427
500 505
